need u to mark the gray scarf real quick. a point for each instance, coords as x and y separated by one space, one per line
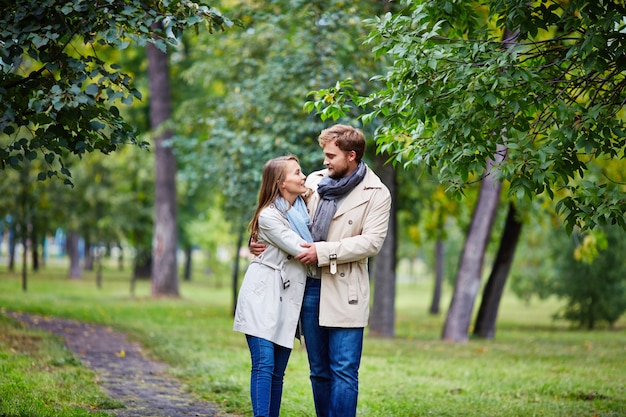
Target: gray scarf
330 190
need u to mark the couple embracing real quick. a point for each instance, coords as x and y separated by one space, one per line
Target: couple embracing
312 237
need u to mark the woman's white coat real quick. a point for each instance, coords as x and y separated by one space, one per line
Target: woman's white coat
270 297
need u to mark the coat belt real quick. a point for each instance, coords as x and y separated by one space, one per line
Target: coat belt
286 282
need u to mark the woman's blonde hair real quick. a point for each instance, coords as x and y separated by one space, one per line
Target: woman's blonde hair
273 173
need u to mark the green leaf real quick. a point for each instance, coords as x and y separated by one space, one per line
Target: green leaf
97 125
92 90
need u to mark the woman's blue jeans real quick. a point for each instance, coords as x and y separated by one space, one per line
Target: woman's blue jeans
334 358
269 361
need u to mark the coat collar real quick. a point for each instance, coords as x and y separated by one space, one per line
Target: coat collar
360 195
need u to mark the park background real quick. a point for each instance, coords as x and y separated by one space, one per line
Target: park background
526 253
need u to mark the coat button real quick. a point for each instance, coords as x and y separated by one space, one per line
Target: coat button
289 257
342 274
349 221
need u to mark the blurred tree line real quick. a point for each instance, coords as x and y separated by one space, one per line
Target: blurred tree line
237 100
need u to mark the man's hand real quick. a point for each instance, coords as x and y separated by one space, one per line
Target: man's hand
256 248
309 255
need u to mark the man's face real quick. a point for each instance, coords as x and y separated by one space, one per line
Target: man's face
339 163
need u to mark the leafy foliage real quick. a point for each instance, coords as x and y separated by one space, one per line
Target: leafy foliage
249 87
595 289
56 94
552 92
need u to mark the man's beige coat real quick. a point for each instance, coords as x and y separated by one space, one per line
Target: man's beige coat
357 232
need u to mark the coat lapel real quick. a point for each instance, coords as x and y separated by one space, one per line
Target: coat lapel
360 195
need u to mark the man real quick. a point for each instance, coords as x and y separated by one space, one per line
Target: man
350 210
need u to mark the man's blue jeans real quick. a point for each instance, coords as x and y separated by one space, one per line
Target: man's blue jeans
269 361
334 358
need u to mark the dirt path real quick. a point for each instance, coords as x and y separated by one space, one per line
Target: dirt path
124 372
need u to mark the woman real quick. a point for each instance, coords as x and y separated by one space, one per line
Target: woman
270 298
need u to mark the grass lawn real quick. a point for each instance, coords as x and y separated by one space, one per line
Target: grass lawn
534 367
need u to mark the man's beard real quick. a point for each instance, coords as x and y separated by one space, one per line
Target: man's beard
339 174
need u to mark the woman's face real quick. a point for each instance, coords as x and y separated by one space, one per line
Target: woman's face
292 185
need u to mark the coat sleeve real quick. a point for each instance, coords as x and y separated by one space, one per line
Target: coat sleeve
366 244
275 230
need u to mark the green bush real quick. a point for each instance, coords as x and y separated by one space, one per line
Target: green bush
590 275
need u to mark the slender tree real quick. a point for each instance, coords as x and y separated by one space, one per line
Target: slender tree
439 273
73 252
382 320
469 274
485 325
165 239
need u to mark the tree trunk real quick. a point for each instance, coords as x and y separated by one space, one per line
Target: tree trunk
24 258
12 245
34 248
382 320
44 249
383 315
99 270
74 254
142 266
88 261
24 222
439 262
235 279
485 326
456 328
120 258
165 239
470 267
188 262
